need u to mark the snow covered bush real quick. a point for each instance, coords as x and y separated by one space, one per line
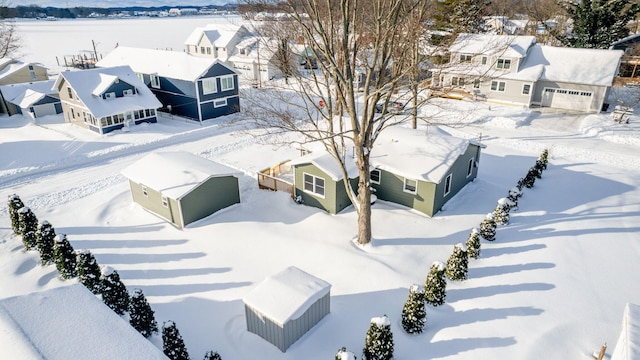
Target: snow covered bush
514 195
88 270
379 342
64 257
488 228
544 159
473 244
28 226
172 343
114 292
413 313
435 287
343 354
141 316
458 263
44 242
501 212
15 204
211 355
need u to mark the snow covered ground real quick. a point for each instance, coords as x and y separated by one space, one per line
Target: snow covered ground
552 286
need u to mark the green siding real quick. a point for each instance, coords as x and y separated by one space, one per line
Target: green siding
212 195
458 176
335 196
153 202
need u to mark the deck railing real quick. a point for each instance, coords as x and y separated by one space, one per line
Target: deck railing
268 178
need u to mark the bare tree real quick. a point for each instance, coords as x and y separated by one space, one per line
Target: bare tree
362 50
9 39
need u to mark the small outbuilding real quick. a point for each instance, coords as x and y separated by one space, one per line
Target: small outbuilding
285 306
181 187
628 345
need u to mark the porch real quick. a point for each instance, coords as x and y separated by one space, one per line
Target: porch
277 178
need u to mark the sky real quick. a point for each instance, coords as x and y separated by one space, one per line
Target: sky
553 285
114 3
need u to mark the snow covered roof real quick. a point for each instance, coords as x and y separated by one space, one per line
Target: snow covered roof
12 68
68 322
219 35
174 174
287 294
170 64
574 65
25 94
628 345
327 163
514 46
417 154
85 83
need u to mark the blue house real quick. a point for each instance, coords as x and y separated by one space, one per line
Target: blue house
197 88
105 99
33 99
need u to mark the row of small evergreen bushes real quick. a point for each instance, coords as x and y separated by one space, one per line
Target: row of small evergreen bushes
379 342
104 282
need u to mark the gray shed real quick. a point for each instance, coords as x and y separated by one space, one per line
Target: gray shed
286 305
182 187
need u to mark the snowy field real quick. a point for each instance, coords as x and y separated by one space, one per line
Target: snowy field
552 286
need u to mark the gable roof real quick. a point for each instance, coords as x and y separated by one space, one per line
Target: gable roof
175 174
287 294
85 83
26 94
514 46
68 322
574 65
417 154
169 64
219 35
328 164
9 67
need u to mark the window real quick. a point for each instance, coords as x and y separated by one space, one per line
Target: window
202 49
476 83
209 86
226 83
208 51
32 72
470 167
484 60
219 103
140 76
155 81
447 185
144 191
584 93
314 184
70 93
498 85
410 186
375 176
456 81
504 64
526 88
465 58
109 95
165 201
243 51
128 92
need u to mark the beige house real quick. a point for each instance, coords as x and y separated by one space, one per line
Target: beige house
17 72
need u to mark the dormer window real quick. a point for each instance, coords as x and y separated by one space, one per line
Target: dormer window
109 95
128 92
504 64
243 51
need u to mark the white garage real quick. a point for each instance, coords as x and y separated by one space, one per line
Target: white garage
567 99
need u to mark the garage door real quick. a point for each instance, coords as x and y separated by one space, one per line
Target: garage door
567 99
44 109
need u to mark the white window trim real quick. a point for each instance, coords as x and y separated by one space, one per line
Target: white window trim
222 87
109 95
447 181
209 86
145 191
217 103
165 201
504 62
379 176
528 91
127 92
409 191
498 86
155 81
315 185
470 166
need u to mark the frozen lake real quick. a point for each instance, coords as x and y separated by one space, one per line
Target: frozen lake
47 42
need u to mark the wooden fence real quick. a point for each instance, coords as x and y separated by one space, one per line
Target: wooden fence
268 178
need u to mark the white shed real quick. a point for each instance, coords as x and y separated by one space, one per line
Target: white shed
285 306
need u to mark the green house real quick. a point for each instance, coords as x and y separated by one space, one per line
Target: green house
418 169
181 187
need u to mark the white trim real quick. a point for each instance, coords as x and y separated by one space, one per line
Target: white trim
314 184
165 201
145 191
528 90
470 166
447 184
409 191
223 103
209 86
497 83
223 88
379 176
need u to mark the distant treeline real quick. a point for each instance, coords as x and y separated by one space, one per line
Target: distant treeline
34 11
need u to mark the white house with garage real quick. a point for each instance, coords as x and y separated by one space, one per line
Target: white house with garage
515 70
